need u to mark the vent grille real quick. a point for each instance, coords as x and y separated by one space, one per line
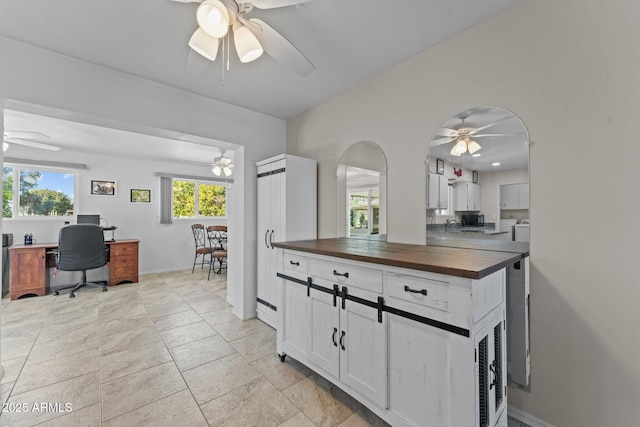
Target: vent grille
483 384
497 343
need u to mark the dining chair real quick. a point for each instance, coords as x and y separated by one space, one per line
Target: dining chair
202 248
217 236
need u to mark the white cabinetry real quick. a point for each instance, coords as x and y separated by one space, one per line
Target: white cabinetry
514 196
467 196
437 191
286 211
405 343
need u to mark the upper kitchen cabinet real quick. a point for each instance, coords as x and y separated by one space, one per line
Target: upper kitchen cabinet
467 196
514 196
437 191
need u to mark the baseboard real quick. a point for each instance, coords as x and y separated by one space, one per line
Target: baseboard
526 417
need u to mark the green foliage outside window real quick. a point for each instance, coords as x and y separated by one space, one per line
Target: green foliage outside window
211 199
7 192
34 200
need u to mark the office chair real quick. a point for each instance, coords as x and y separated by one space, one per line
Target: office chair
217 235
202 249
80 248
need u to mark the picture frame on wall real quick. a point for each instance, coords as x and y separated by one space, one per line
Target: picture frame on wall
440 166
475 177
139 195
103 187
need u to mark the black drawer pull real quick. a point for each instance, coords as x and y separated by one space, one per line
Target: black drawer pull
335 273
415 291
333 338
342 340
294 263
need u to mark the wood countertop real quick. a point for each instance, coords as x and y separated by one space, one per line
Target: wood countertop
469 263
521 248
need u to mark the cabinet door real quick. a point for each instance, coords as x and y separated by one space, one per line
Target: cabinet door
490 369
294 326
474 197
419 372
523 193
461 195
362 342
324 320
444 192
433 191
509 198
264 228
277 233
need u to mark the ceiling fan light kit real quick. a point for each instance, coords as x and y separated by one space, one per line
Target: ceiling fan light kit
213 18
222 165
204 44
247 45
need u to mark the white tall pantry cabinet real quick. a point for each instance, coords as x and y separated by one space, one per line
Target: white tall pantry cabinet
287 201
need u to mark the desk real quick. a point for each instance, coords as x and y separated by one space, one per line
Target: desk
29 265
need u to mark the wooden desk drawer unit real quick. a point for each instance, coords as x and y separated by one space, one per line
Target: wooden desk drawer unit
123 262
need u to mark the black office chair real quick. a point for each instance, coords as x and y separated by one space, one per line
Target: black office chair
80 248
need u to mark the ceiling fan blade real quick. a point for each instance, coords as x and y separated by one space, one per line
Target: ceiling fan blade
444 140
271 4
24 134
499 134
32 144
476 130
447 132
279 47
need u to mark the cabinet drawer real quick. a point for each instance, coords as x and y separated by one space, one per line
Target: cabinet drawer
295 263
346 274
123 249
417 290
124 266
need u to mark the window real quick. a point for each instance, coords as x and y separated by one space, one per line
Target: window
34 191
209 199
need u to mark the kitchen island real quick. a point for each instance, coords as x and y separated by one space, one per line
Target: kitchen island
415 333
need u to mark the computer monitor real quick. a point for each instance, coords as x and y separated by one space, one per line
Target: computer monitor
89 219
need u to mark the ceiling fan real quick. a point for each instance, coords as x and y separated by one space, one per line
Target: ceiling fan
251 36
463 132
26 139
222 165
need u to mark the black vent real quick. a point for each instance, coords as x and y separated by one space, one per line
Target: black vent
483 384
497 364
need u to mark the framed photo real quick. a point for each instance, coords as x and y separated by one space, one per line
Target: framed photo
138 195
440 166
103 188
475 177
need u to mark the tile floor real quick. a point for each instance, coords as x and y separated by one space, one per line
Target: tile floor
163 352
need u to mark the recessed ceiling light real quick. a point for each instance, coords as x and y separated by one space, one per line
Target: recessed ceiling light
495 164
475 155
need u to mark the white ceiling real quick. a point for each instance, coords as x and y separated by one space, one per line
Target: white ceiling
347 40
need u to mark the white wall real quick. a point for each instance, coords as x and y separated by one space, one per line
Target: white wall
570 71
106 97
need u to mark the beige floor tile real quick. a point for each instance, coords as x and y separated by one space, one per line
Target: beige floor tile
281 375
128 339
13 348
23 319
175 320
5 389
187 333
122 324
159 297
328 406
197 353
217 317
12 368
210 305
178 409
119 364
89 416
364 418
114 311
169 308
255 403
134 391
216 378
298 420
18 332
64 347
79 392
256 346
52 333
84 314
237 328
54 370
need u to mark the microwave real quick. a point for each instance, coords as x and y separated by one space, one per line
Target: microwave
472 220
